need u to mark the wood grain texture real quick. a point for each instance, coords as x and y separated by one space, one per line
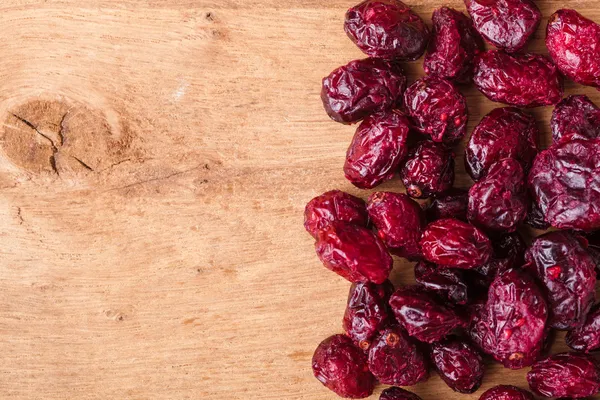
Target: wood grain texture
156 157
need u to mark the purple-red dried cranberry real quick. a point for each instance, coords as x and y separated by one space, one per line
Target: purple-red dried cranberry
333 206
459 364
387 29
378 147
437 109
452 204
428 170
524 80
396 393
445 282
342 367
362 87
586 338
509 252
535 218
575 117
353 252
506 392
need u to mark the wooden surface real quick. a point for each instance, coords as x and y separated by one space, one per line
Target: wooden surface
156 157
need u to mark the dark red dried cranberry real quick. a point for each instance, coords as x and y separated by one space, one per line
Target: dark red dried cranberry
387 29
572 375
437 109
362 87
453 46
353 252
568 272
455 244
395 360
506 392
586 338
333 206
507 24
574 43
509 252
396 393
451 204
503 133
594 249
446 283
565 180
399 221
428 170
378 147
459 364
535 217
575 117
524 80
342 367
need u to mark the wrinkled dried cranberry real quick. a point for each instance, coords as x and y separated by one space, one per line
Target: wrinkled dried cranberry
437 109
428 170
446 283
378 147
503 133
510 326
535 217
451 204
452 243
453 45
362 87
507 24
575 117
586 338
342 367
459 364
568 272
387 29
395 360
565 180
509 252
396 393
524 80
353 252
333 206
573 375
506 392
574 43
399 221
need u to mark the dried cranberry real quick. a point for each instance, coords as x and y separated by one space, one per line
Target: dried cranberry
524 80
509 252
573 375
565 180
395 360
362 87
507 24
453 46
535 218
459 364
503 133
396 393
575 117
437 109
568 272
447 283
399 221
387 29
353 252
334 206
506 392
574 43
456 244
428 170
586 338
452 204
377 148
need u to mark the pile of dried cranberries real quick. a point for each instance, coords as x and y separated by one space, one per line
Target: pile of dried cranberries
481 291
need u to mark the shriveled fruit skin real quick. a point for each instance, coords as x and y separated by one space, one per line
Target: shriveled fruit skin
568 272
506 392
437 109
362 87
394 359
428 170
535 218
451 204
509 252
586 338
354 253
399 221
507 24
573 42
377 148
503 133
459 364
575 117
396 393
573 375
387 29
342 367
453 46
523 80
331 206
447 283
565 181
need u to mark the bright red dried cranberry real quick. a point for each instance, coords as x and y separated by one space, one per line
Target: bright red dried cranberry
509 252
399 221
459 364
535 218
572 375
507 24
455 244
333 206
362 87
353 252
395 360
342 367
568 272
506 392
446 283
452 204
378 147
396 393
575 117
574 43
387 29
503 133
437 109
428 170
453 46
524 80
586 338
565 180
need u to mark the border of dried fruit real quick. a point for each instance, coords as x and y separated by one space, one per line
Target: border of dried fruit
480 290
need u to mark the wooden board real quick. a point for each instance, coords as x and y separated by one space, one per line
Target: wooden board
156 157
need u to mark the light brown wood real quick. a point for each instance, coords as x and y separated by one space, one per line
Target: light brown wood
156 157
